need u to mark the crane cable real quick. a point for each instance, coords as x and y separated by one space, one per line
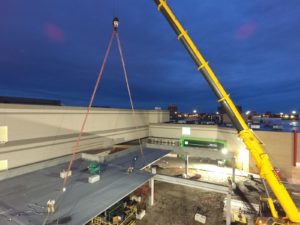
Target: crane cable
129 92
76 146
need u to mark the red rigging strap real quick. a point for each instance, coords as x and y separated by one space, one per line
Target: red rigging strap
76 146
129 91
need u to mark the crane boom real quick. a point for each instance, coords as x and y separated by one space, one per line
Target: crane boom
251 142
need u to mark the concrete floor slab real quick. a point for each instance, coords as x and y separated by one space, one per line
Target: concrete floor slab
24 198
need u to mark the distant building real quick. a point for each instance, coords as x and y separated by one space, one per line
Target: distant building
173 111
221 110
268 114
224 117
210 118
28 101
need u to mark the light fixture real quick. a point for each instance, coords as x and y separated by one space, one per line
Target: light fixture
224 151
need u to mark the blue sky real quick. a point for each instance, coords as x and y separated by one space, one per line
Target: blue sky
54 49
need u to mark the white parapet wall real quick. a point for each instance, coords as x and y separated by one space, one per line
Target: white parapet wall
38 133
234 145
278 145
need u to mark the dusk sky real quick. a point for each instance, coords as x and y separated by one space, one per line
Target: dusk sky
53 49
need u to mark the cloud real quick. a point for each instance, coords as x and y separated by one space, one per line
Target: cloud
53 32
246 30
55 49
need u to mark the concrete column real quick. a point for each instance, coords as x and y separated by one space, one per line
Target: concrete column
153 169
151 197
233 170
228 207
187 165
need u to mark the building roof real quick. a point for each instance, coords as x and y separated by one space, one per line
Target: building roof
24 198
29 101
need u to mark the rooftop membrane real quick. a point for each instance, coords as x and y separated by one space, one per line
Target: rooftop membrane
24 198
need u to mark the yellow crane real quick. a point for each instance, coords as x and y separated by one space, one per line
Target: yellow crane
253 144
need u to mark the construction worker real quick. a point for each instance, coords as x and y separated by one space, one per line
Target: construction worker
132 166
50 206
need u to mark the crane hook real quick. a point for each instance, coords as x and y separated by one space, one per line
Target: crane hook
115 23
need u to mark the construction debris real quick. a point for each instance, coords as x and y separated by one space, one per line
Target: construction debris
136 198
64 173
239 217
200 218
94 179
141 215
177 205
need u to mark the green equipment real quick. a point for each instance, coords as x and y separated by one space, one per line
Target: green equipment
94 168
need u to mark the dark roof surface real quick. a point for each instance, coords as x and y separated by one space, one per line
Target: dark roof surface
23 199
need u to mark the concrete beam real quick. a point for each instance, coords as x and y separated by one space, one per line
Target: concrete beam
191 183
194 152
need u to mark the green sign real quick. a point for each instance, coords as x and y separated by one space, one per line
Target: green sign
208 143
